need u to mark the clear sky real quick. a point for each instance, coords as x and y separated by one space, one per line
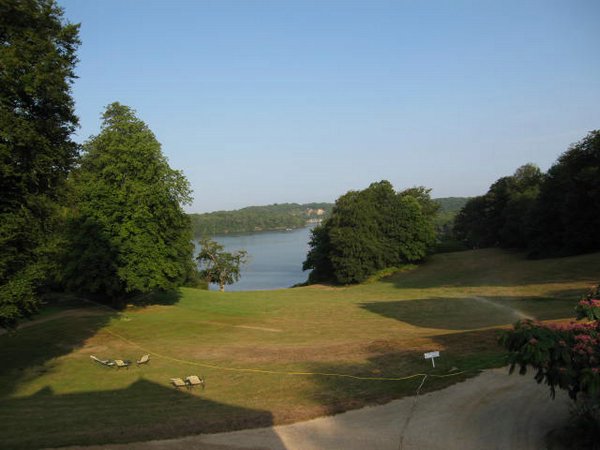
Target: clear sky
263 102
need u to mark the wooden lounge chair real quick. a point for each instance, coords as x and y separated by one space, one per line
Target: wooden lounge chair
98 360
178 383
143 360
122 363
104 362
194 380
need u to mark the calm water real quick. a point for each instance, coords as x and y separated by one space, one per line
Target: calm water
274 259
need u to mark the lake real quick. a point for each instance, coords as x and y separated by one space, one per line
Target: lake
274 258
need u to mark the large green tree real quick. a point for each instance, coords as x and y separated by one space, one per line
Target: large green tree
552 214
128 233
370 230
37 60
502 216
219 266
566 219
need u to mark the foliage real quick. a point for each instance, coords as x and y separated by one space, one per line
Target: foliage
293 215
566 219
563 356
589 306
450 204
219 266
258 218
469 224
37 60
371 230
502 216
555 214
128 233
449 207
318 258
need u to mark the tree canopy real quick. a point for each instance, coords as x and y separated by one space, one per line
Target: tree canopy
219 266
501 217
565 218
552 214
370 230
128 231
37 61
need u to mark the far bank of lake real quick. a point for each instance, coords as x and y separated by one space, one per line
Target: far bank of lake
274 258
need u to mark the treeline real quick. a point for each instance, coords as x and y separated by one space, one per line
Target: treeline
548 214
293 215
370 230
258 218
449 207
101 219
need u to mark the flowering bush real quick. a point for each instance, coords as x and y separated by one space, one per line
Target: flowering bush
589 306
566 356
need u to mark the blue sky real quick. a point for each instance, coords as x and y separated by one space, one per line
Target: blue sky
263 102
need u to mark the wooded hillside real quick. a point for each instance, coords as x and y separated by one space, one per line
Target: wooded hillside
259 218
281 216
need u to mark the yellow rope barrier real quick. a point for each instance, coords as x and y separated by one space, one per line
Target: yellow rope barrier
276 372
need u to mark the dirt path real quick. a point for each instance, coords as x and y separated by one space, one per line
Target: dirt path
491 411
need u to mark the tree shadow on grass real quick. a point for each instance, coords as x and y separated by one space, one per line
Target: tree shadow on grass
28 353
495 267
165 298
472 312
143 411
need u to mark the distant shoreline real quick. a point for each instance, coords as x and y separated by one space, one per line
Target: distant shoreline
247 233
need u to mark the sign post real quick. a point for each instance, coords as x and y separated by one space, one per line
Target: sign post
432 356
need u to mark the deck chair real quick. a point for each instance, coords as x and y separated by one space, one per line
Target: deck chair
98 360
104 362
122 363
178 383
194 380
143 360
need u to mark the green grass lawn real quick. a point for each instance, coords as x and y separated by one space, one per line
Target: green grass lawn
53 394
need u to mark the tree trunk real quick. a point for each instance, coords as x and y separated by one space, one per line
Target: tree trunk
222 287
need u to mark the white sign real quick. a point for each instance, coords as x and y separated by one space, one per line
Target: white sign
432 356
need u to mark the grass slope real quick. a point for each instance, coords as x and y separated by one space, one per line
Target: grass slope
52 394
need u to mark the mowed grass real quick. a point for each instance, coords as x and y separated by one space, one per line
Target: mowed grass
52 393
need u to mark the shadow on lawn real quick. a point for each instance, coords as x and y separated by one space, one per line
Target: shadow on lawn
495 267
473 312
165 298
28 353
145 410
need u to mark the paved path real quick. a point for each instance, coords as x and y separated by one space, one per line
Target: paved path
491 411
